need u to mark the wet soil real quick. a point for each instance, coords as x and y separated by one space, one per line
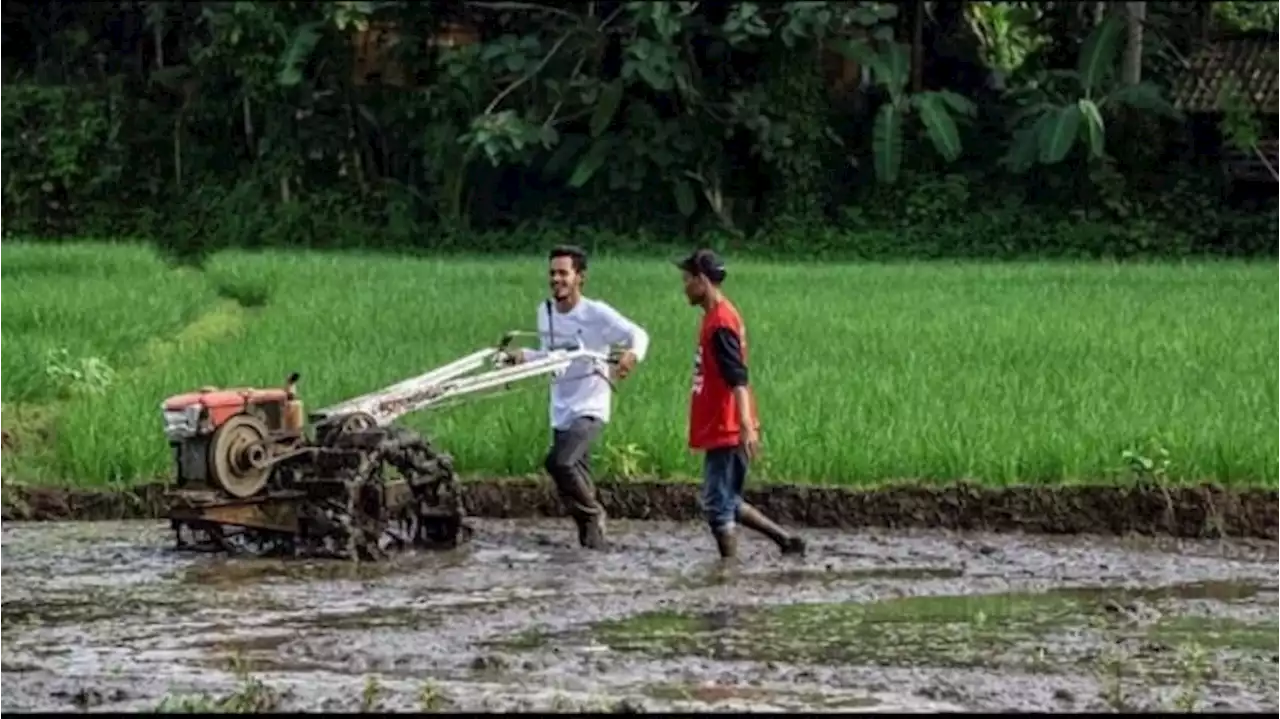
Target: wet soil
104 616
1195 512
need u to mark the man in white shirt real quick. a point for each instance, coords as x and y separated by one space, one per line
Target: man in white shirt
582 395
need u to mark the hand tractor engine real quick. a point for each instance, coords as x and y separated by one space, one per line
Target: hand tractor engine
253 474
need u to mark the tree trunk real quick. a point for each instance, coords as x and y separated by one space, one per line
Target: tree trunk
1131 64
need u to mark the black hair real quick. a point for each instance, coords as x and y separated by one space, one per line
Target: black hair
573 252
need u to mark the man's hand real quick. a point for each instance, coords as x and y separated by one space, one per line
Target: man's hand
511 357
750 441
626 363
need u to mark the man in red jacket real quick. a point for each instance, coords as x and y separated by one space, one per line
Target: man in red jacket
722 414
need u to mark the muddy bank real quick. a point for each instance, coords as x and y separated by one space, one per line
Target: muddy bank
103 616
1189 512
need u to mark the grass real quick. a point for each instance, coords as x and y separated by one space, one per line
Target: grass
1005 373
87 303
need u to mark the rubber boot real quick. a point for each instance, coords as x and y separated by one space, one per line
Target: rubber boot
590 528
727 543
754 519
586 512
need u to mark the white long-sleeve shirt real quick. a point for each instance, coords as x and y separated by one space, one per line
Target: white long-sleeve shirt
582 389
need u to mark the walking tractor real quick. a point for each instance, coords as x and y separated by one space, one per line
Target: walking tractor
252 475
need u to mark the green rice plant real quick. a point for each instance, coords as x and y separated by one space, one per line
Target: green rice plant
864 373
75 307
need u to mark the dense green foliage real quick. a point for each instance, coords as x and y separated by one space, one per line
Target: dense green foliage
208 125
1018 372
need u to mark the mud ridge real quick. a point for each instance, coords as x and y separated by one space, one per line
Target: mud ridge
1189 512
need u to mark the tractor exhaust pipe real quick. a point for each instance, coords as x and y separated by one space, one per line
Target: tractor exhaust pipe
293 416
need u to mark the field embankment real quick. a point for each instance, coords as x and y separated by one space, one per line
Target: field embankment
1014 375
1190 512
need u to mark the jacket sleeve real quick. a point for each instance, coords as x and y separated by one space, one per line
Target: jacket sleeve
727 350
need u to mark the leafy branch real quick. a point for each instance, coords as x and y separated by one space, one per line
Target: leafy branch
1063 108
937 110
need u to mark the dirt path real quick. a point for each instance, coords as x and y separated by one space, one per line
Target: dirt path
103 615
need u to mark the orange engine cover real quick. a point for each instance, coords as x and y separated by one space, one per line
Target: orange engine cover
222 404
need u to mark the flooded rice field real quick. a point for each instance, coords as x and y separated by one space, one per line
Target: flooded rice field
105 616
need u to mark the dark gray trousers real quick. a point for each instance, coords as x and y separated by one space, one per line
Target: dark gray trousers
569 464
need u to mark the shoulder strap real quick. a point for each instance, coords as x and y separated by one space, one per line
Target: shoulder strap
551 333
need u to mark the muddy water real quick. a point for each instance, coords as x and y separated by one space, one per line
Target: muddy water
103 616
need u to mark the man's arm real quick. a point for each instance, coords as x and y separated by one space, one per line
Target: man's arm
618 329
726 348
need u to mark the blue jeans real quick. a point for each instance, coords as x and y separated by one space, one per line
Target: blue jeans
724 472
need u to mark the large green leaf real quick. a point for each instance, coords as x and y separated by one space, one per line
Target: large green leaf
296 55
897 66
591 161
1059 133
958 103
1142 96
886 142
606 107
1092 130
1098 54
938 124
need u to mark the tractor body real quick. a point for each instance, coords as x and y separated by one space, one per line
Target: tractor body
195 422
252 472
251 476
